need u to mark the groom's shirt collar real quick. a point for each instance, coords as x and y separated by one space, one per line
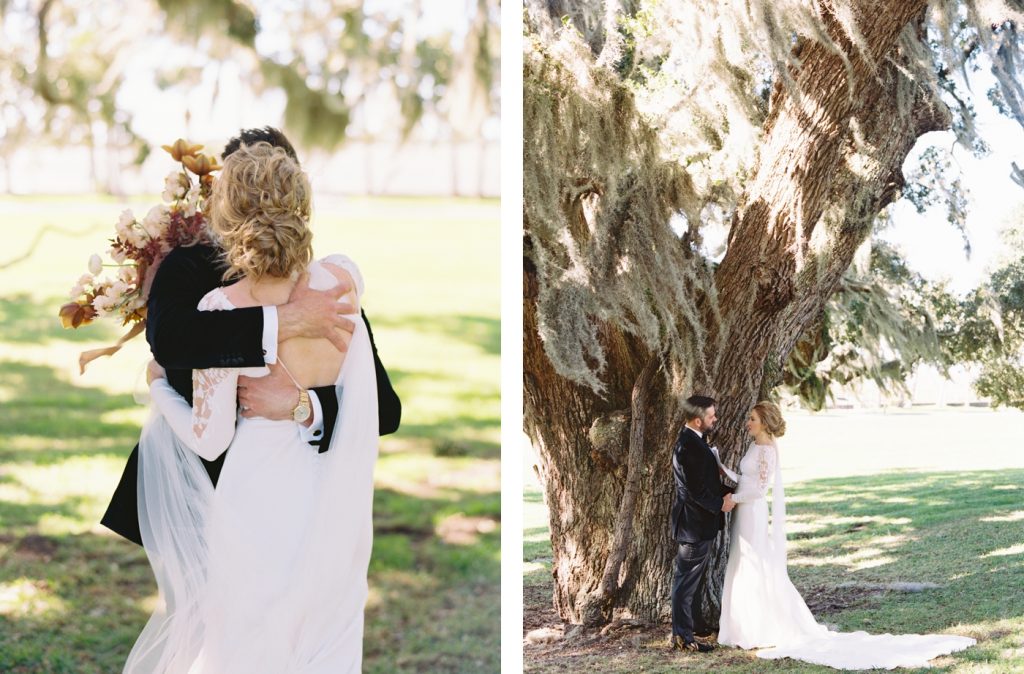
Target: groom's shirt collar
695 431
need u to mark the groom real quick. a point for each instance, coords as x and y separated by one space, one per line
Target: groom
697 516
181 338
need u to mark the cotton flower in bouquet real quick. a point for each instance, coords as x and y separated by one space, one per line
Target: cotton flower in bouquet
119 288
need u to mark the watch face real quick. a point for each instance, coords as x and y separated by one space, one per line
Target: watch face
301 412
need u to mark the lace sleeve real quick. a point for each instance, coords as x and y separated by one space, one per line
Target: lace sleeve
755 486
206 428
209 425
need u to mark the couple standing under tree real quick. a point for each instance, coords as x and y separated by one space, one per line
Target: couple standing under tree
267 572
760 606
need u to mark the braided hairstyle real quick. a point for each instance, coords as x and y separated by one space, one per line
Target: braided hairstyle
259 212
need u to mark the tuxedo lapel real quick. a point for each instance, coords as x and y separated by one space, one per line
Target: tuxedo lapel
703 442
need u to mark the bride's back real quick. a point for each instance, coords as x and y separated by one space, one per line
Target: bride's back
313 362
316 362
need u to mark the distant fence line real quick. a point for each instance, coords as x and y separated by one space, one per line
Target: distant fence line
415 168
926 386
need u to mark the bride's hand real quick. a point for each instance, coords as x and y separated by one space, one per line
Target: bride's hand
154 371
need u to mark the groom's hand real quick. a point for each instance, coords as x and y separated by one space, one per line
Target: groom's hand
270 397
727 503
316 314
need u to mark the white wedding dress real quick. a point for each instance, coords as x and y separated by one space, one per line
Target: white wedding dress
762 609
267 573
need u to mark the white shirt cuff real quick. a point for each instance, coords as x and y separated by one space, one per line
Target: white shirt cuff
315 432
270 335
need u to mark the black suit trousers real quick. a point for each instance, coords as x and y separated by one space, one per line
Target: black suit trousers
691 558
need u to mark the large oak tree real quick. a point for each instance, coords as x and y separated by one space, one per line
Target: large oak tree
649 125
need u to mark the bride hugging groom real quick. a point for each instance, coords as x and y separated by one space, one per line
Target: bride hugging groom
251 487
760 606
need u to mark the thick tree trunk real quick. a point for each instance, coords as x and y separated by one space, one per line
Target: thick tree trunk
833 164
605 555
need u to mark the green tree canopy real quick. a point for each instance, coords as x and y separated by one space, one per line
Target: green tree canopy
62 63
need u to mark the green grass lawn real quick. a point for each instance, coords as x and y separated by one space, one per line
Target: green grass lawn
73 596
850 528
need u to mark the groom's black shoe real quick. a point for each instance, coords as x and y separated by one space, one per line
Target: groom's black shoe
697 647
677 643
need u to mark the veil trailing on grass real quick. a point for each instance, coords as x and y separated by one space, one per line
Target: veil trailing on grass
762 608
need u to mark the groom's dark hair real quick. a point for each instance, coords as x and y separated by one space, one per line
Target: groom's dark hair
267 134
694 407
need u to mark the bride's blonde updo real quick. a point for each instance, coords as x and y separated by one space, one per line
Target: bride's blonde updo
771 418
259 211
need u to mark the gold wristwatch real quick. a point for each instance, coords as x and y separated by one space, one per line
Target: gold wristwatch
303 410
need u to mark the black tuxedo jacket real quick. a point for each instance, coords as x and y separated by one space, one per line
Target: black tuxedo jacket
181 338
697 512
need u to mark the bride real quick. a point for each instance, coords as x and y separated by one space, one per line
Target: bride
267 573
760 606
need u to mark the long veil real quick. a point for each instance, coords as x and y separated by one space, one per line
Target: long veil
778 525
325 605
175 494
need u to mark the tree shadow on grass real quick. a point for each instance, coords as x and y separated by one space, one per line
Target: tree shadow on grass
435 583
18 518
26 319
944 528
72 600
61 420
80 606
436 605
452 434
435 591
958 530
76 602
448 436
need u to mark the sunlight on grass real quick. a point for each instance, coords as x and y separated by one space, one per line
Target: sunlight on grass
26 597
17 493
1015 516
135 415
82 475
818 523
460 529
1004 552
53 524
428 476
36 443
864 558
373 599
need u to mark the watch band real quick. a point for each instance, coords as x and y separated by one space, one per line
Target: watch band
303 410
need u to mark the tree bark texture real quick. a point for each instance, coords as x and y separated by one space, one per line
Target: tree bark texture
831 160
586 481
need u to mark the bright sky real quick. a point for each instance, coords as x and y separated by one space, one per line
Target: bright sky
931 245
159 115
